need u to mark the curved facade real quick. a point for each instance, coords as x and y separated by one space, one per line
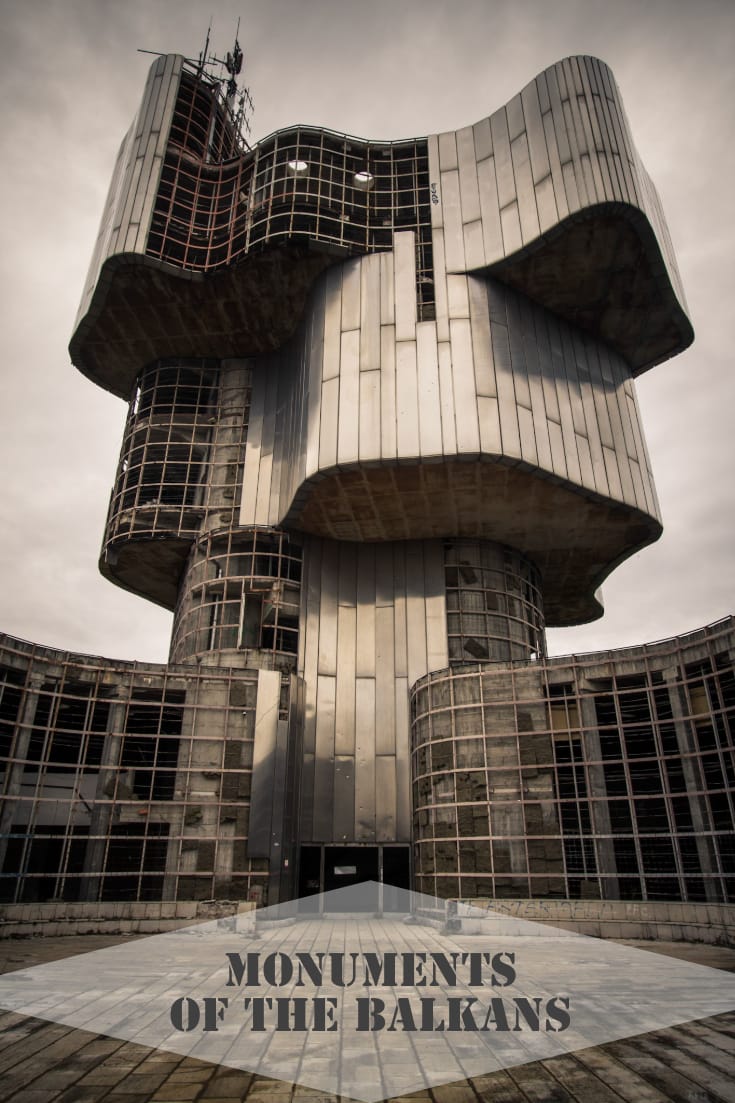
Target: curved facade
382 430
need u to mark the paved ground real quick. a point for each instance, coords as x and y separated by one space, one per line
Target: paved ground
48 1063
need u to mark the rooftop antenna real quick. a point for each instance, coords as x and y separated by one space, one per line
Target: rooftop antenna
240 106
203 57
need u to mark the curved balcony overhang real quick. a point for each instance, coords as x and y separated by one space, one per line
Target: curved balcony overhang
574 537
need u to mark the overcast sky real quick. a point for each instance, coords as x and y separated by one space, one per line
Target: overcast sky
71 81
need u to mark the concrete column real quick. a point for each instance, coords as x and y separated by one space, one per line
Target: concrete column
599 814
102 809
694 781
19 753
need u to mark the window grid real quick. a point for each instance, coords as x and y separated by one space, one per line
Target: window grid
128 783
632 792
182 454
304 184
241 591
494 603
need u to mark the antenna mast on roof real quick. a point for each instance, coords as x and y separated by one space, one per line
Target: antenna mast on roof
238 100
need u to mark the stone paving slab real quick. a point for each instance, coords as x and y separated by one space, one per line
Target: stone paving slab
43 1062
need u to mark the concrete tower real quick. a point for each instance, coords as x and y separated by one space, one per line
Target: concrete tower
382 430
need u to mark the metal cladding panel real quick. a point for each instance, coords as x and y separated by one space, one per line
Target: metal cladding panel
468 184
429 405
348 417
405 284
388 604
127 214
264 764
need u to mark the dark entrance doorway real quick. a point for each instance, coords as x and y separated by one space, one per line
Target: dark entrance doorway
325 868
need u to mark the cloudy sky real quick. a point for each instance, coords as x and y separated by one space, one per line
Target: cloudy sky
71 80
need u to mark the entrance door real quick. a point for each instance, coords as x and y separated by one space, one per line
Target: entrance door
325 868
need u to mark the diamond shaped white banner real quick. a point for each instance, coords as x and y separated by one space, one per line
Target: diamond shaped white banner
339 994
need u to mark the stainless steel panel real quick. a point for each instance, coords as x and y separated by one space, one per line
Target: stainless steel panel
576 159
329 424
351 278
538 154
446 393
404 248
491 228
528 316
483 140
593 428
546 370
264 762
385 722
447 151
387 289
529 451
415 610
548 215
309 633
556 442
458 303
557 175
332 323
510 224
407 413
510 432
649 497
401 638
384 579
349 399
370 314
388 421
344 799
640 490
453 236
564 396
440 286
516 122
386 789
365 795
329 583
365 596
583 108
474 245
430 427
465 398
524 187
501 154
403 772
542 92
161 123
437 657
468 188
262 504
344 730
346 649
585 462
602 414
571 191
489 419
324 759
612 472
482 349
561 139
370 416
313 396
